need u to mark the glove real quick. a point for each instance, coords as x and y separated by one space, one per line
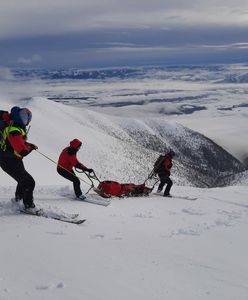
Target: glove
90 170
33 146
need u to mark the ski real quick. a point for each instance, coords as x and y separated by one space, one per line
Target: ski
177 196
63 217
68 215
97 201
184 197
89 199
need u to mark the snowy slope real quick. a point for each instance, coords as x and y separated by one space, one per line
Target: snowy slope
120 148
150 248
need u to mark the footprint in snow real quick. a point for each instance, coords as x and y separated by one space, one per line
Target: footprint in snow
56 232
143 215
97 236
193 212
59 285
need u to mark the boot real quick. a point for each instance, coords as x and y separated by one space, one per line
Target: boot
81 197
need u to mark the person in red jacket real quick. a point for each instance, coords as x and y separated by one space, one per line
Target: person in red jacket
67 161
13 148
162 167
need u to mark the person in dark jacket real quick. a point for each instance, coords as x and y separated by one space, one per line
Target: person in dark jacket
67 161
162 167
13 148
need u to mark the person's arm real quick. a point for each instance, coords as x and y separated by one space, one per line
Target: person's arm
18 143
31 145
79 165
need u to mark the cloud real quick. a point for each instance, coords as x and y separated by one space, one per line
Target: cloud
28 61
6 74
60 30
20 18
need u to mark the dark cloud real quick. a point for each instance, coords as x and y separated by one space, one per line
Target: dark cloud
107 32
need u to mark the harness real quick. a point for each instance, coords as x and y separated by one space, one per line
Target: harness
4 145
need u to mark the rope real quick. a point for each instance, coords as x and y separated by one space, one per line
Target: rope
62 167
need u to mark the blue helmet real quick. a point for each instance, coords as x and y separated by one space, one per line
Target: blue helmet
21 116
25 116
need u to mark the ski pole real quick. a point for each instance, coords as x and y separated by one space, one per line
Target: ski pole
151 174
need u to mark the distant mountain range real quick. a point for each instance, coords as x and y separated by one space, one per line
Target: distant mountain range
218 73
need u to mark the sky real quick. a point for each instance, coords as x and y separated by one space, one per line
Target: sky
104 33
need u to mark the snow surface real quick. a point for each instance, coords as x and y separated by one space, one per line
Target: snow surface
145 248
136 248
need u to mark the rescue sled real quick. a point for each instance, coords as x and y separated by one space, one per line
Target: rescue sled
108 188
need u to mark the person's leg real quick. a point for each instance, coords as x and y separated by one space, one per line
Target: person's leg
19 192
25 182
162 183
72 177
76 186
168 186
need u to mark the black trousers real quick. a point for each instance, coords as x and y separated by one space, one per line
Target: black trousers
25 182
165 179
70 175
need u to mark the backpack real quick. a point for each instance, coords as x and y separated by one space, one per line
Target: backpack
158 163
162 164
4 121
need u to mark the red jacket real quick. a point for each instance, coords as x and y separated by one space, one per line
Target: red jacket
16 143
167 163
68 161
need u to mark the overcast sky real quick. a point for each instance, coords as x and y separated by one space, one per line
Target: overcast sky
101 33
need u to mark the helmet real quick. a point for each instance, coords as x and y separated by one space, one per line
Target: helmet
75 143
21 116
25 116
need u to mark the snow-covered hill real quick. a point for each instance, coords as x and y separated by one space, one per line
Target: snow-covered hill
236 179
122 149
